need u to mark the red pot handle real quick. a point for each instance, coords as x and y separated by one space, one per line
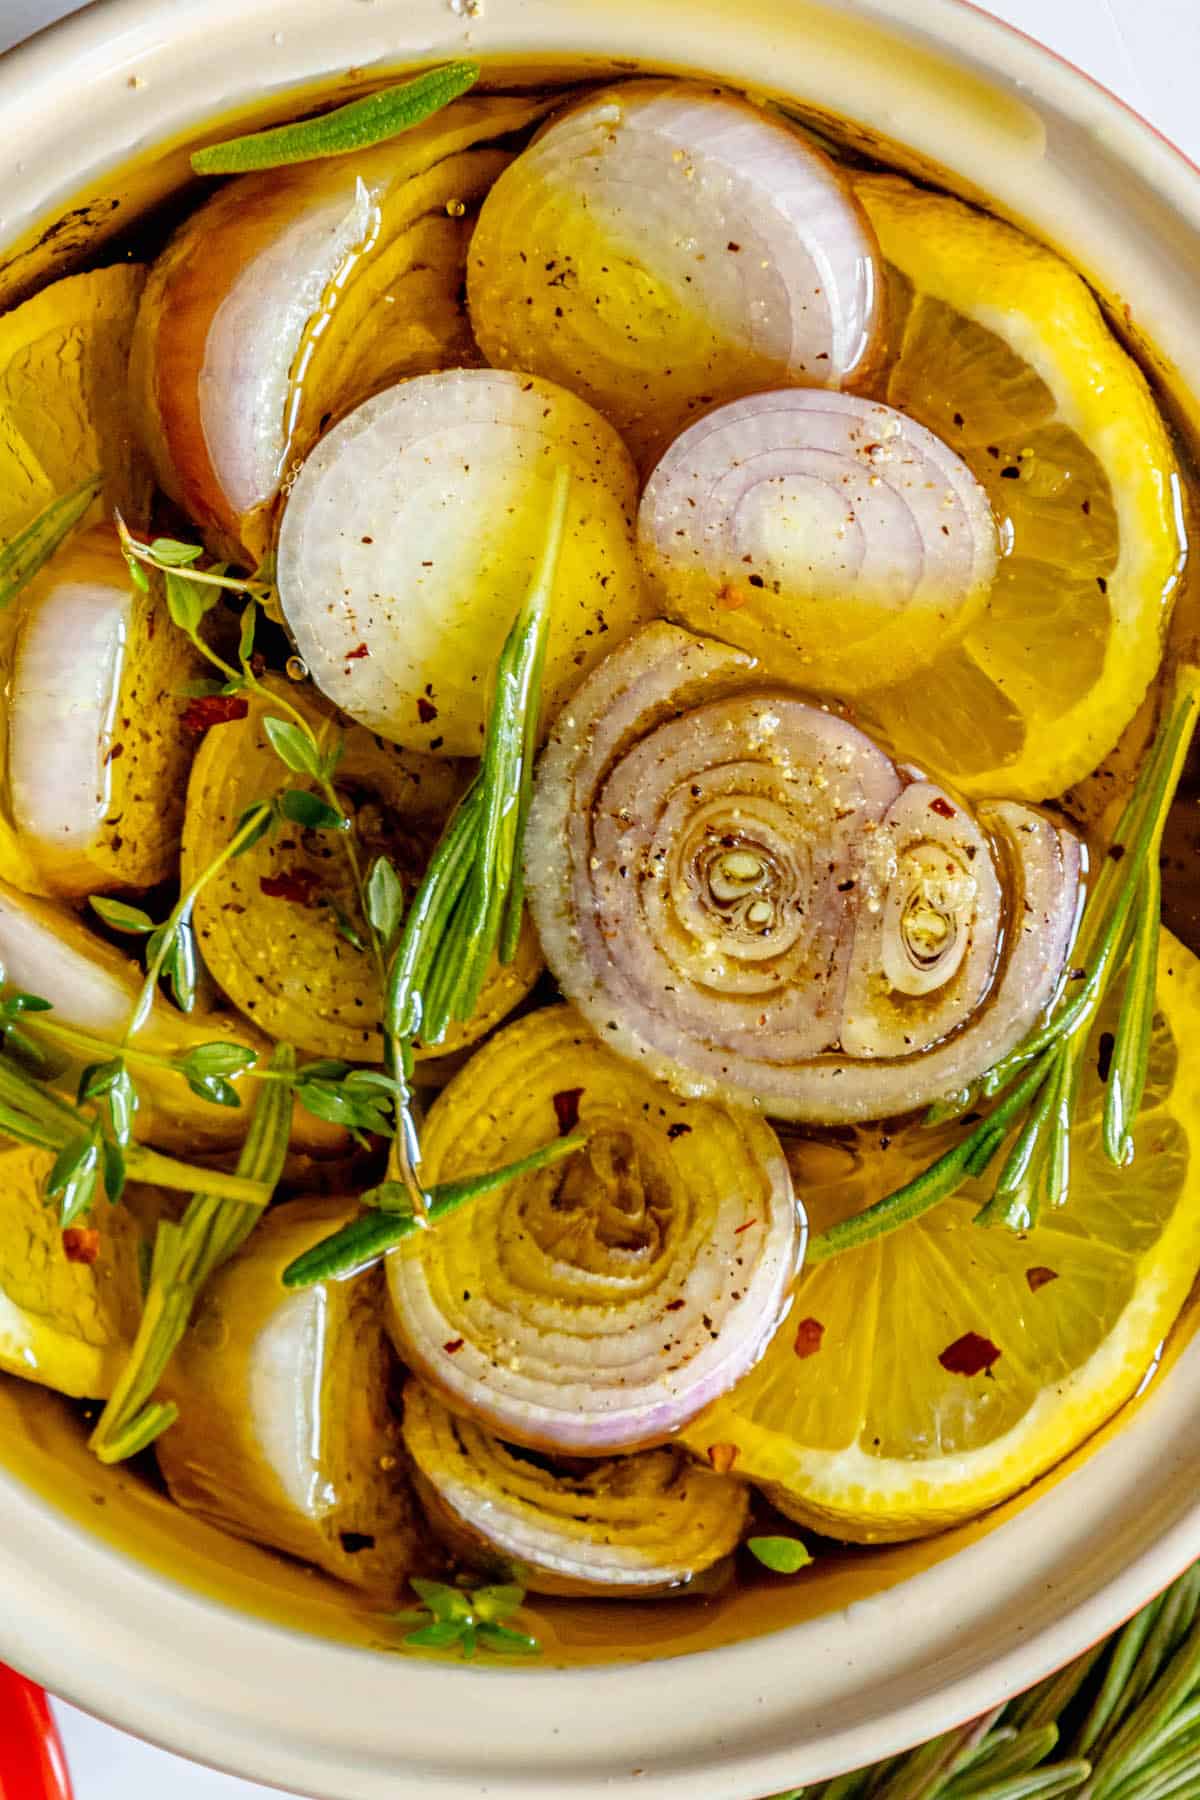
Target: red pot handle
32 1764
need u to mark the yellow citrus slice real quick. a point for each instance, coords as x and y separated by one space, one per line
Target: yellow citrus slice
1001 349
934 1372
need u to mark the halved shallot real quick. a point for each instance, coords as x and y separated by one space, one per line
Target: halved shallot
663 245
96 756
639 1525
413 531
830 535
284 1430
598 1305
744 893
91 987
294 293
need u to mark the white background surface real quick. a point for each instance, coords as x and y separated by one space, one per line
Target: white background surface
1148 51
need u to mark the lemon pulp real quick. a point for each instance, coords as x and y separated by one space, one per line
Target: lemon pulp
932 1373
1001 349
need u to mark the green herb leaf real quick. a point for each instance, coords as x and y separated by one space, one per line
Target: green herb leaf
113 1165
214 1088
72 1179
340 1105
346 927
362 1242
32 548
507 1642
13 1005
782 1555
122 1107
249 625
324 1069
354 127
292 746
120 915
495 1604
438 1636
188 601
385 899
303 808
262 817
218 1059
171 553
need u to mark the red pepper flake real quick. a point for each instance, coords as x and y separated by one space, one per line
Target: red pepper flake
809 1333
298 885
212 709
454 1346
942 807
745 1227
722 1457
677 1130
566 1109
357 655
674 1305
81 1243
426 710
969 1355
116 751
1038 1277
729 597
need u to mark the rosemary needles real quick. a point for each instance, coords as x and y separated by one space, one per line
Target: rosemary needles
1035 1087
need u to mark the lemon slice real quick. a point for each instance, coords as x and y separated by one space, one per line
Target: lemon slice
934 1372
1000 348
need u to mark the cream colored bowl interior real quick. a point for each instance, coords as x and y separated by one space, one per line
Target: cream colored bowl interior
164 1632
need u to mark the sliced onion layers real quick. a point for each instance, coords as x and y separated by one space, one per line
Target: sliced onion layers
664 245
638 1525
284 1432
598 1305
271 924
411 536
45 950
745 894
293 293
96 757
832 536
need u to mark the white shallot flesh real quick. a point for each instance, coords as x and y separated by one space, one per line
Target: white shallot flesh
598 1305
412 533
746 895
665 245
832 536
635 1525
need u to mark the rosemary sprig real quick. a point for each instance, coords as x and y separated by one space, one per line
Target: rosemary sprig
185 1255
1035 1087
363 1241
354 127
1125 1718
25 554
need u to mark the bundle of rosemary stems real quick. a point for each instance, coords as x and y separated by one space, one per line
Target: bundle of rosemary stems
1120 1723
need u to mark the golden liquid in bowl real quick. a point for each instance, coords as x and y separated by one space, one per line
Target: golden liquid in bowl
43 1437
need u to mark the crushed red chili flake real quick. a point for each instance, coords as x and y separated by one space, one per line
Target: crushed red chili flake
454 1345
1039 1276
566 1109
969 1355
212 709
677 1130
81 1243
745 1227
357 654
809 1333
426 710
942 808
729 597
722 1457
299 885
116 751
674 1305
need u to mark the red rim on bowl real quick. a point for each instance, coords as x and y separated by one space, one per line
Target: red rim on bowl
32 1764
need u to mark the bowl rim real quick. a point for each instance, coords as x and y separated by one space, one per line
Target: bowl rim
159 1637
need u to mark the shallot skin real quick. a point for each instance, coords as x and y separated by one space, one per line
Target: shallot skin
745 894
663 245
828 534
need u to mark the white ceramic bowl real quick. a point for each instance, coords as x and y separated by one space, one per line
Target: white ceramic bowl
151 1654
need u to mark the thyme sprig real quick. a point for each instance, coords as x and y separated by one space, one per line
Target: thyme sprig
1035 1087
464 1619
